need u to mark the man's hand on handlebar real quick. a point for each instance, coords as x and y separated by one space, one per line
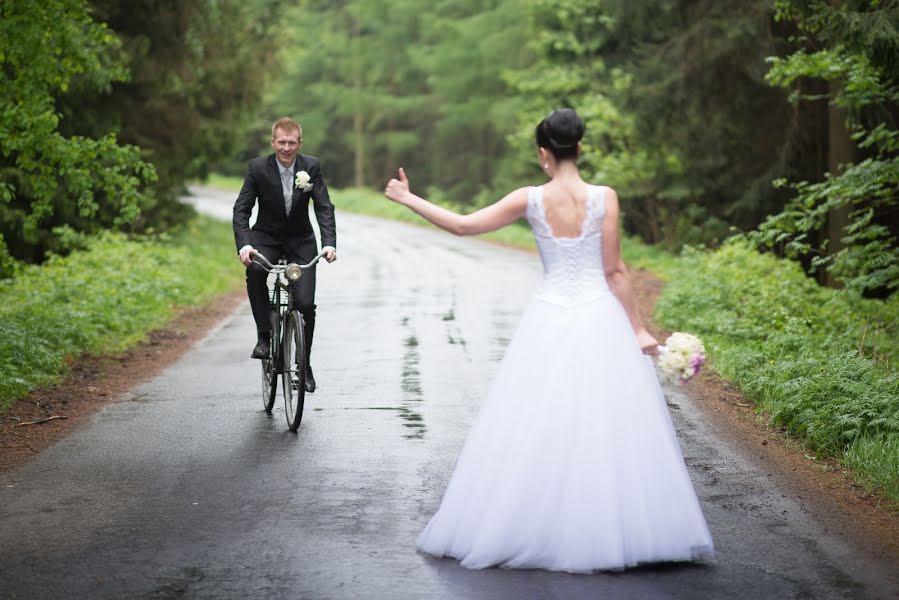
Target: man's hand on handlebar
246 255
249 255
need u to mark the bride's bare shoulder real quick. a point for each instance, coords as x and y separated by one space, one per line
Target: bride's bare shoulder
517 196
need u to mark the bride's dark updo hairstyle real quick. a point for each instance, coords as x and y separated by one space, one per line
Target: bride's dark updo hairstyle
560 133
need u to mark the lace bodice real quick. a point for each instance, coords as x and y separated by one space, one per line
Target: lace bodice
572 267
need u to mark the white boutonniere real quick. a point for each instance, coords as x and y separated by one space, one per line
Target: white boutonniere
302 181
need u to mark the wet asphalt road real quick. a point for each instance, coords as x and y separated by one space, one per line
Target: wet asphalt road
185 488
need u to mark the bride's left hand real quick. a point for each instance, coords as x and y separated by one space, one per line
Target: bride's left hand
398 189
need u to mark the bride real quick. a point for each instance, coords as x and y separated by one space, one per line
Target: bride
572 463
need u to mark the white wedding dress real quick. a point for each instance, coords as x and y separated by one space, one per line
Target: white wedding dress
572 463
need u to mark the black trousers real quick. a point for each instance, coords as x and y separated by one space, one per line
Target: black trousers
303 290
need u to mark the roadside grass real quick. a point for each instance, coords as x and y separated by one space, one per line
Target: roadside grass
106 298
820 363
224 182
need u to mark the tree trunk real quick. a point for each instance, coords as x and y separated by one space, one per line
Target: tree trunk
358 148
841 152
358 117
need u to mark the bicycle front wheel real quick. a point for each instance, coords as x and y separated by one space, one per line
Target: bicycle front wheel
269 384
270 365
294 365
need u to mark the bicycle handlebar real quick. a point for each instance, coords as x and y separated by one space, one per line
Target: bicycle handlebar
265 264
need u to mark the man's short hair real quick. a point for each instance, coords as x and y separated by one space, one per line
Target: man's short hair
287 125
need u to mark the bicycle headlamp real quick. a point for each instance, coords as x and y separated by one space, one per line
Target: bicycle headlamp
293 272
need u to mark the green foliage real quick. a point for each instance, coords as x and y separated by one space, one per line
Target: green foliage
7 263
108 106
570 71
860 63
105 298
229 183
821 362
698 92
673 95
861 26
352 86
570 43
48 179
877 460
378 85
469 47
654 258
197 69
869 257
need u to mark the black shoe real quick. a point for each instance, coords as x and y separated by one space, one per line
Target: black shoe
310 381
262 349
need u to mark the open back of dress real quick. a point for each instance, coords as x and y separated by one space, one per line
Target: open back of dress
572 266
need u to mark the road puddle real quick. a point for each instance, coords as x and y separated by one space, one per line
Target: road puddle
410 383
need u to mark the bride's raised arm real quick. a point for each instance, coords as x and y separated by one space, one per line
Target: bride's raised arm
499 214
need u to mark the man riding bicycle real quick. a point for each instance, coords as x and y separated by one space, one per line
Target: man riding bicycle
283 183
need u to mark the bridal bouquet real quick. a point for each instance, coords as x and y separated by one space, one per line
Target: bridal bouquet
681 356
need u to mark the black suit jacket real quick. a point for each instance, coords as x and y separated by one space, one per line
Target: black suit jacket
273 227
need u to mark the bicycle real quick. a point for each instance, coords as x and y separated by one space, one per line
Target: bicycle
287 354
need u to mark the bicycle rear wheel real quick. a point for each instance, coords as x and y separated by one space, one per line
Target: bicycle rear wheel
270 365
294 367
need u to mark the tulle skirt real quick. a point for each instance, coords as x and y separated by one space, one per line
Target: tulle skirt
572 463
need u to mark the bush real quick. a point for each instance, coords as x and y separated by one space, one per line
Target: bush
820 362
105 298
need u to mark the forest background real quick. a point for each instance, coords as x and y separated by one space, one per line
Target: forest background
756 140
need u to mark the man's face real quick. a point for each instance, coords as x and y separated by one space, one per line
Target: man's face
286 144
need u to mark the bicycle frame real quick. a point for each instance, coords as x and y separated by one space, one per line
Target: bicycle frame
288 357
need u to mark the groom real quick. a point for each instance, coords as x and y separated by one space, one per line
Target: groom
283 183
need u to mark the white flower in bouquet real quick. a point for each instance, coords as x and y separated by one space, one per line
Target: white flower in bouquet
302 181
681 357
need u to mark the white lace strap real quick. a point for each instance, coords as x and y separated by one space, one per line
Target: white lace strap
596 202
601 201
535 212
535 199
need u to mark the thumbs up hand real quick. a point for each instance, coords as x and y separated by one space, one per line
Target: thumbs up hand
398 189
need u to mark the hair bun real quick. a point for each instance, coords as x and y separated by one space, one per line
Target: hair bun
560 133
564 128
